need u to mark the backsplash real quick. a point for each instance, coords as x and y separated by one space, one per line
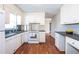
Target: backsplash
7 31
10 31
75 27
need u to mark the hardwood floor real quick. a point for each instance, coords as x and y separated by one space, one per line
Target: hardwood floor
41 48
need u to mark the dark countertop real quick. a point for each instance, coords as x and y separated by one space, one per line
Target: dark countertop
18 32
73 36
12 34
41 30
37 31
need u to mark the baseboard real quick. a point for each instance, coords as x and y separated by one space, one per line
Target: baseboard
25 42
52 37
62 52
41 42
19 47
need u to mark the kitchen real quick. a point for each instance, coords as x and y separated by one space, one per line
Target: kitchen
21 24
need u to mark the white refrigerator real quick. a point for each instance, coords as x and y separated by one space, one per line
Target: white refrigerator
2 32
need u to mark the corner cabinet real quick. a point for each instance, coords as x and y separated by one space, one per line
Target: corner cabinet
10 45
13 43
69 14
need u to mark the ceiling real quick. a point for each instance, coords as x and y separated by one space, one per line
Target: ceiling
49 9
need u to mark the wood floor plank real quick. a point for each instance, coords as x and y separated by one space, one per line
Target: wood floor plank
41 48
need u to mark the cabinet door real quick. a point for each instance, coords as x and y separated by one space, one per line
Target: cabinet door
69 14
72 46
75 15
42 37
10 45
60 42
66 14
22 37
25 37
57 40
18 41
13 43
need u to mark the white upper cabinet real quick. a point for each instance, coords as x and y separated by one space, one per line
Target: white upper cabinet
36 17
69 14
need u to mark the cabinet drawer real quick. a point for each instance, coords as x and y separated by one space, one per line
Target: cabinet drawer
73 42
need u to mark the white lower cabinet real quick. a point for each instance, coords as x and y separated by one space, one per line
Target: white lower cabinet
72 46
18 41
60 41
13 43
24 37
10 45
42 37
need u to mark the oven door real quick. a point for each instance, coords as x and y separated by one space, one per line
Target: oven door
33 36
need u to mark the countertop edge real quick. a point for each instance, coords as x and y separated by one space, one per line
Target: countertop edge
73 36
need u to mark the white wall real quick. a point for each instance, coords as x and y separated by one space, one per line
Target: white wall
47 25
55 24
35 17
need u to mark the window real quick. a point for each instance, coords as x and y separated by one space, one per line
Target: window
12 22
18 20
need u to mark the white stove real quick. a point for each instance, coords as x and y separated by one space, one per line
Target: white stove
33 37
